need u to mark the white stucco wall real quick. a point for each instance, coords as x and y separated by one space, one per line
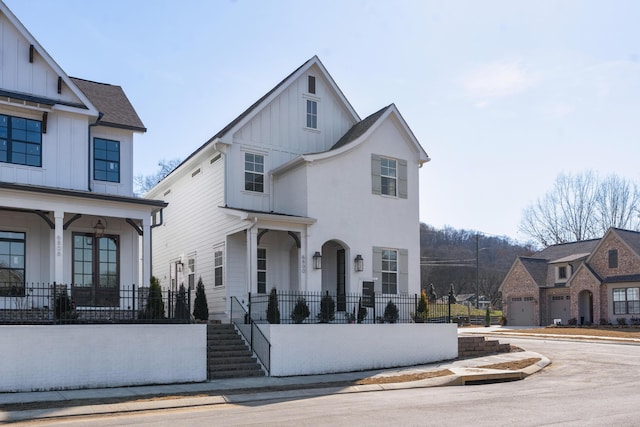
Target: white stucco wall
89 356
320 349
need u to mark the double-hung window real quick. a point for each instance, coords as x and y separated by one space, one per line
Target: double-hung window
389 271
218 259
12 257
312 114
388 176
626 301
20 141
106 160
254 172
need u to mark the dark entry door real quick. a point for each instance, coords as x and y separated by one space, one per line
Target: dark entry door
340 280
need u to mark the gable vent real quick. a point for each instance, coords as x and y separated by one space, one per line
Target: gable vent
215 158
312 84
195 172
31 51
166 193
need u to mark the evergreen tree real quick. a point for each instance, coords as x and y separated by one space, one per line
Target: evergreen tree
182 310
200 306
155 306
273 311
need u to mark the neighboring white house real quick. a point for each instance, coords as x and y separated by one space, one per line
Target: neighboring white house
296 193
67 209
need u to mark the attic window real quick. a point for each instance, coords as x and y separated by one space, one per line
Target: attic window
312 114
613 258
562 272
312 84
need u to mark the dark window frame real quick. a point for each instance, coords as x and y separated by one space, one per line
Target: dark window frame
218 267
19 144
622 302
562 272
97 292
104 159
311 84
13 287
613 258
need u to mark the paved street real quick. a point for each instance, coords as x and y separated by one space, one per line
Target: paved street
588 384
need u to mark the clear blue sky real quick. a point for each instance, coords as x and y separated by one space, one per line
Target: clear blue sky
503 95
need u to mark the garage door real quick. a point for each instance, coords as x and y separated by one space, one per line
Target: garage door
559 308
520 311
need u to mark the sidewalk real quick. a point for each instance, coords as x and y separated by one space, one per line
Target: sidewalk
67 403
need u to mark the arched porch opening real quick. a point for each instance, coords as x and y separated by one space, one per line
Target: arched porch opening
334 271
585 307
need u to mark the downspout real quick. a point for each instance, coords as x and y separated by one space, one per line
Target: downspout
89 148
151 241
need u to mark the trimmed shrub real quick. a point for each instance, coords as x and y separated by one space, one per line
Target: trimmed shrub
422 310
362 311
391 313
182 309
273 310
300 311
155 306
487 317
573 321
200 306
64 308
327 309
622 321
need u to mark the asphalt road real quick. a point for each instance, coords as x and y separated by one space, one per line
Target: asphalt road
587 384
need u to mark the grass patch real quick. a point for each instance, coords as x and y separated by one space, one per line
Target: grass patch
404 378
514 365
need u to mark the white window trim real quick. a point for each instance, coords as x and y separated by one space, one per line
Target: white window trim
264 191
316 99
219 248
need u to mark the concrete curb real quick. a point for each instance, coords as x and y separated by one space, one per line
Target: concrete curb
461 376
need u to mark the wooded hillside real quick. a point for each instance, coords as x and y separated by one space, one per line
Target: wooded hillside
449 256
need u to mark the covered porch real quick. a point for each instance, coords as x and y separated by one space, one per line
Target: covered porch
95 243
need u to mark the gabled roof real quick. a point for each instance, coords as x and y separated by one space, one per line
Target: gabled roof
356 135
631 238
563 250
267 97
359 128
537 268
86 104
114 106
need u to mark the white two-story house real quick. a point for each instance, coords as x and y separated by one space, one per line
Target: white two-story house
297 193
67 210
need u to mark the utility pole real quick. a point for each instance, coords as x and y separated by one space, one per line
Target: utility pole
477 271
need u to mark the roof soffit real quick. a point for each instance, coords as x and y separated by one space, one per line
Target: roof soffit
91 109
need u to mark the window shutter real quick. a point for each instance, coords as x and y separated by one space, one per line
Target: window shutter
403 279
375 174
402 179
377 268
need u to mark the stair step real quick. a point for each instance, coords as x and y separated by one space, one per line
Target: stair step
225 360
248 366
230 353
235 374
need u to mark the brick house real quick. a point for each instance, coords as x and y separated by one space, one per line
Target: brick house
591 281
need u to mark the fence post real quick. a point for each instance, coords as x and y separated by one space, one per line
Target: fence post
189 303
248 320
133 301
52 304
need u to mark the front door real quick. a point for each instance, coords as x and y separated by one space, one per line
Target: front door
96 270
340 280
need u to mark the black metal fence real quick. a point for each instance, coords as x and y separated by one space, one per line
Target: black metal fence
42 303
318 307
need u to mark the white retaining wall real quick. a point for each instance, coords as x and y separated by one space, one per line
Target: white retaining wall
87 356
321 348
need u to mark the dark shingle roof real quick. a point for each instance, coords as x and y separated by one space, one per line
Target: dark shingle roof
359 128
537 268
112 102
555 252
631 238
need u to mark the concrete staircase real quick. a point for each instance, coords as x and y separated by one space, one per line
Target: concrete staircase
228 356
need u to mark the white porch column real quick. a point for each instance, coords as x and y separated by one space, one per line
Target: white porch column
58 250
146 252
303 262
252 258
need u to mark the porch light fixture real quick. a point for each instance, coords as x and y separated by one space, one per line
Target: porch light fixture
98 229
359 263
317 261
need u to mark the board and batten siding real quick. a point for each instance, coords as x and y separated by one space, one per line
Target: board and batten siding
18 74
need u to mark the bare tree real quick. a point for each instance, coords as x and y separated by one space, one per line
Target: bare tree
617 204
142 183
581 207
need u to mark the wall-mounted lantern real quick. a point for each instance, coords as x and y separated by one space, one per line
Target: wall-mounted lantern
359 263
98 229
317 261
